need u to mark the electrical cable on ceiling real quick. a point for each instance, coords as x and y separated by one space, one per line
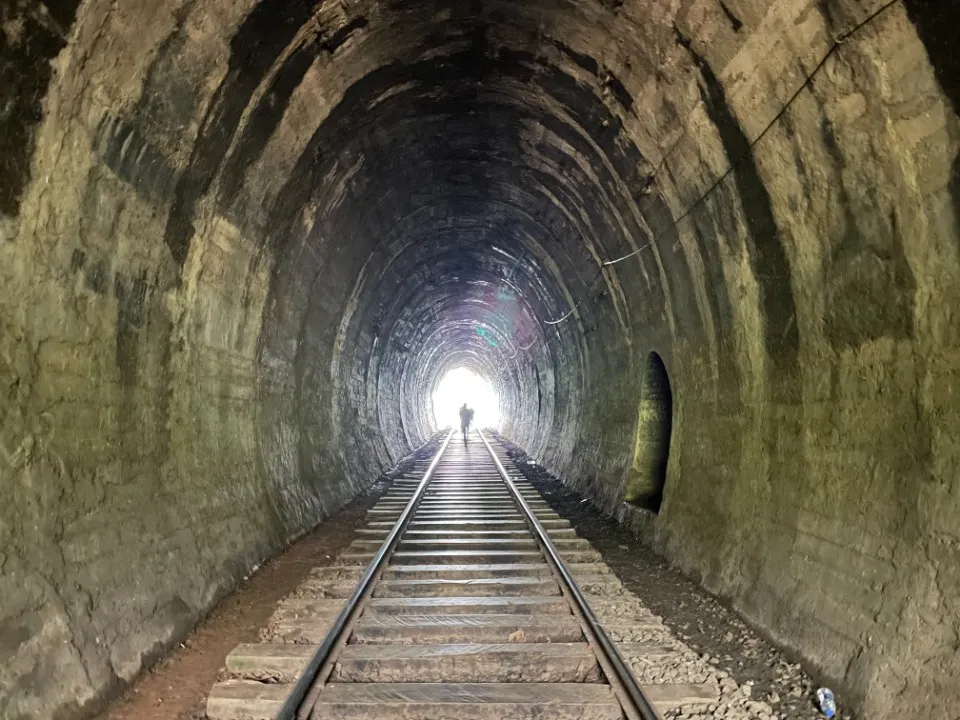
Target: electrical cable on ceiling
838 41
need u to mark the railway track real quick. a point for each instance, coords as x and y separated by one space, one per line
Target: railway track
463 597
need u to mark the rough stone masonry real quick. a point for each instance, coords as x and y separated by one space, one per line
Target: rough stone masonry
241 241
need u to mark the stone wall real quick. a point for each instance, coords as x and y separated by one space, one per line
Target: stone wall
134 489
241 242
813 473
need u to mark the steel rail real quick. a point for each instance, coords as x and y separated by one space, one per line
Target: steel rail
623 676
291 709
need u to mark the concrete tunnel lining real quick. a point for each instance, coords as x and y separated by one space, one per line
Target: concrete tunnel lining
229 234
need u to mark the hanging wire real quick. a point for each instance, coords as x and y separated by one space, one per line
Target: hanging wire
516 352
808 80
639 250
579 302
838 41
560 320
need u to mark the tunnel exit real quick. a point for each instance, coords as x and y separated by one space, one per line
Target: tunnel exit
460 386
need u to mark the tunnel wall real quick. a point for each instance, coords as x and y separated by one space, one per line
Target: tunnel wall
809 274
189 205
135 488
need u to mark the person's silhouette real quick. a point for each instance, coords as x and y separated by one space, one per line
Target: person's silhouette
466 415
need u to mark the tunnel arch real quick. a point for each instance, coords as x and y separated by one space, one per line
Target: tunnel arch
229 233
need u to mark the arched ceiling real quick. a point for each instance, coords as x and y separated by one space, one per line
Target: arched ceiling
242 241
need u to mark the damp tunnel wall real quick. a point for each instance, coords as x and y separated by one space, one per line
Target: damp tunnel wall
240 242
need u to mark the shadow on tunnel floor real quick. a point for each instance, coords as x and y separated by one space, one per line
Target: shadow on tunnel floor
702 621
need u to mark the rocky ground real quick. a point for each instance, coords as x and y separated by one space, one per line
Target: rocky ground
711 643
651 603
176 688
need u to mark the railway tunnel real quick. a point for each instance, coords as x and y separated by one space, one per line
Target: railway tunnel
705 251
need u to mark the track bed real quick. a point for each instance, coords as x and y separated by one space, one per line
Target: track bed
465 597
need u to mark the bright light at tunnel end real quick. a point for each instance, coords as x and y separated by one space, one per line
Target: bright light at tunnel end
460 386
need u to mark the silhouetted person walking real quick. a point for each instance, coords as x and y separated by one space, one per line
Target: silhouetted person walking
466 415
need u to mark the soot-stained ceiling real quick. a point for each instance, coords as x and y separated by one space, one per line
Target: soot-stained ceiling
241 242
